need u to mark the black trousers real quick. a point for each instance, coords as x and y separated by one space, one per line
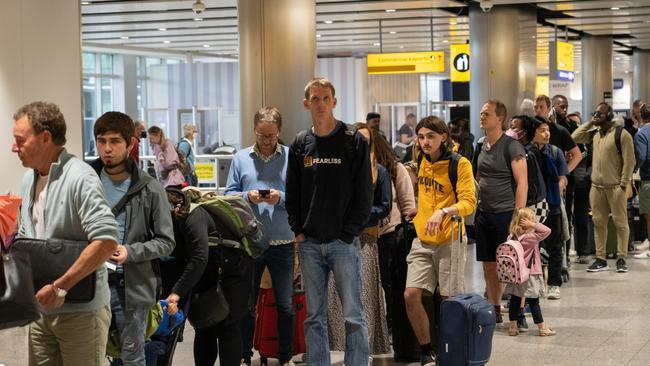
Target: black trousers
515 310
553 246
234 270
581 220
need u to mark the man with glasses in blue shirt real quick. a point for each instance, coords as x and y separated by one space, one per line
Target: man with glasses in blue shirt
259 174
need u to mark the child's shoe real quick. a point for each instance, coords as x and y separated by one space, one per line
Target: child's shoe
546 332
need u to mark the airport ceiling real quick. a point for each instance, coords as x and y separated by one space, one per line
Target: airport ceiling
352 27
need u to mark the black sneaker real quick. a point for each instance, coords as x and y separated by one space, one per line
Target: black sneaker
428 359
499 318
620 266
598 265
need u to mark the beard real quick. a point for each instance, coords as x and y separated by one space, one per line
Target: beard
112 166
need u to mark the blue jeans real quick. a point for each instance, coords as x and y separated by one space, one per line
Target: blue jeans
343 260
279 259
131 326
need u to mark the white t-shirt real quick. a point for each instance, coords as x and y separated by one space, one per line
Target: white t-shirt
38 210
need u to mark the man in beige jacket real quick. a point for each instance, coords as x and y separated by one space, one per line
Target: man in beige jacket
612 166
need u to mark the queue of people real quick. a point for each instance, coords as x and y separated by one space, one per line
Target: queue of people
150 239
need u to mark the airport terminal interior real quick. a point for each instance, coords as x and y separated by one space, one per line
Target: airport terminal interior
213 63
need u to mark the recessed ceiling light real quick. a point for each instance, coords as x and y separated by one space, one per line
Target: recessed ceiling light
198 19
534 37
329 22
390 10
392 32
167 42
453 23
618 59
85 3
318 36
206 46
124 37
445 41
615 8
401 47
162 29
376 44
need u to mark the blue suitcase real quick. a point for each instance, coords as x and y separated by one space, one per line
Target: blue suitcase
467 323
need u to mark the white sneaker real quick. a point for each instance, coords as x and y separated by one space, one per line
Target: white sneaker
290 363
643 246
553 293
643 255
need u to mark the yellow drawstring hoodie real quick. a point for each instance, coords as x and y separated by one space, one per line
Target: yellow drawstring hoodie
435 192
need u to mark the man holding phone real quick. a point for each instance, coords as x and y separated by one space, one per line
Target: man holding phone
259 174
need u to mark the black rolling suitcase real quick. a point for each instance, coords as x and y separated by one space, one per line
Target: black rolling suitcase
405 344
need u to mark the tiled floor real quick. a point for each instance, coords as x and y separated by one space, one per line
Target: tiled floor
601 319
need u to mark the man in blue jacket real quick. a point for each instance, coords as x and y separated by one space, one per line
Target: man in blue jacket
139 203
63 199
329 196
259 174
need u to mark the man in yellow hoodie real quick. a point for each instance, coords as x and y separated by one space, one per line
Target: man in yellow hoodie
429 261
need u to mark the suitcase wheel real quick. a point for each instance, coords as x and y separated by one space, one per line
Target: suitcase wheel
264 361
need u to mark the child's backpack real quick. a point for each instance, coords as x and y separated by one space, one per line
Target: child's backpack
241 227
511 265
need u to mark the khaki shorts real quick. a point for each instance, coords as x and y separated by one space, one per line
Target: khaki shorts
430 266
644 197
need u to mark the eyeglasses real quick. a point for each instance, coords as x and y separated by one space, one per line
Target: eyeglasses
266 137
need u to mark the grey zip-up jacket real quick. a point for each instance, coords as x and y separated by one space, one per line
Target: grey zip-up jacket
148 235
75 209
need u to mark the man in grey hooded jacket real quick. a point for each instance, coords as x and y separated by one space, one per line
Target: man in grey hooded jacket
141 209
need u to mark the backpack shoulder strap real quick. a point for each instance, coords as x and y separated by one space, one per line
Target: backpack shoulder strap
617 138
350 132
299 144
452 170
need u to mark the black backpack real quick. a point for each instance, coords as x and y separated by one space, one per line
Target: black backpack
536 185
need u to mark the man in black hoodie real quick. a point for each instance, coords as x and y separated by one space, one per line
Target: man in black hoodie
328 199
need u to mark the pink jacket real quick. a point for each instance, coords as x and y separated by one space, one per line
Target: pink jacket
167 165
530 242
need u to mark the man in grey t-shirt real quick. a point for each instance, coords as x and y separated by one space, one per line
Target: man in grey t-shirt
502 188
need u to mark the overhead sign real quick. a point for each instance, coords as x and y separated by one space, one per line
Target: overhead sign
541 85
561 61
406 62
459 59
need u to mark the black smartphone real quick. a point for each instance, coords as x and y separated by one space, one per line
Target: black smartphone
264 192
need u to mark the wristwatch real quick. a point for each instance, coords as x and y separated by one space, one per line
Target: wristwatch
59 291
445 211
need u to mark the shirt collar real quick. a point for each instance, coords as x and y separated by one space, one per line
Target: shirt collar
266 159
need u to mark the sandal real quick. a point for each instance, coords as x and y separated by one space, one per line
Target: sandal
513 332
546 332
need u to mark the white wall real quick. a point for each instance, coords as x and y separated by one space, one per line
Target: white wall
40 59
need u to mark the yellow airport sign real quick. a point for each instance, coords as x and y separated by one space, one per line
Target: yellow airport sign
204 171
542 85
459 62
406 62
565 56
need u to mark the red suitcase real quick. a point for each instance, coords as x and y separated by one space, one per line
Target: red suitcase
265 339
